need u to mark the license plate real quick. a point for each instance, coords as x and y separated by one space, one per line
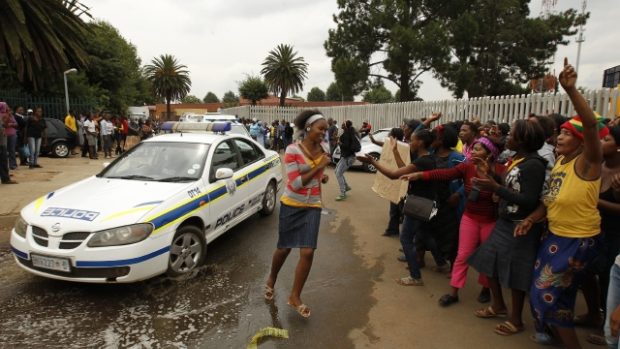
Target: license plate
53 263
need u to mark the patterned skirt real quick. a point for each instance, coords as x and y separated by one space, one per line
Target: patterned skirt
299 227
558 271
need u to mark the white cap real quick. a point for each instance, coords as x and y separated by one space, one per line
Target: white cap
29 111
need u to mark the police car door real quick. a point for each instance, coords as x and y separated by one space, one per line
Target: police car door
254 183
224 200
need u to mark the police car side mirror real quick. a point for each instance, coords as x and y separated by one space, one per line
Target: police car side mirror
223 173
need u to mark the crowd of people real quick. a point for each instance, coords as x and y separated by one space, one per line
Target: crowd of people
533 207
24 133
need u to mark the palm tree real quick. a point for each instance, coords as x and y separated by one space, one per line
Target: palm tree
42 37
169 78
284 71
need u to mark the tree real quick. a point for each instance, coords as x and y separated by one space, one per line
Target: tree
497 47
253 88
378 94
170 79
316 95
191 99
210 97
392 40
284 71
42 38
230 99
333 92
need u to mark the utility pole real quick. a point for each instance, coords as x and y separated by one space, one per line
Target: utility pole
580 38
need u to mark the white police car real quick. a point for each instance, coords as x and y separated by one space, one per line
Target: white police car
153 210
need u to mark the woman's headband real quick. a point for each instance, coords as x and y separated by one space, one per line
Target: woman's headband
487 143
313 119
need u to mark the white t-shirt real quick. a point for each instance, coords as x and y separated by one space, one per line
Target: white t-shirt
618 260
107 128
90 126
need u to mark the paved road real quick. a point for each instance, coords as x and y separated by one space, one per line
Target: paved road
351 290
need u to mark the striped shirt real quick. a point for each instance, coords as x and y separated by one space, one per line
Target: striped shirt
296 194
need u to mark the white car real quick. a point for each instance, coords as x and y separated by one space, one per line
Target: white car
368 147
153 210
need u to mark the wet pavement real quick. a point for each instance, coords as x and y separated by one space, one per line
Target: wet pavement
221 305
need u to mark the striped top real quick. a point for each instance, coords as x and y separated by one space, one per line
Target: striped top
295 193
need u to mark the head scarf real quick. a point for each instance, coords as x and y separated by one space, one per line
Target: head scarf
4 107
575 126
489 145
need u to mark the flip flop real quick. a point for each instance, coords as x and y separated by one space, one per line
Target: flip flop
269 292
489 312
302 309
507 328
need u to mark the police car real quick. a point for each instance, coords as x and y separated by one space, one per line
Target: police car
151 211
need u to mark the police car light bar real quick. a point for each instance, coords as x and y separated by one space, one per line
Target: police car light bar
219 127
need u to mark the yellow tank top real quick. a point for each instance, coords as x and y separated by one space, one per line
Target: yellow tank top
571 202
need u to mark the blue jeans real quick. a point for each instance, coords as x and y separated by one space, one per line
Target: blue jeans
415 229
343 165
34 145
11 143
613 301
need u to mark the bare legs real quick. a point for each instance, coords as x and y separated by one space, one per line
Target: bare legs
306 255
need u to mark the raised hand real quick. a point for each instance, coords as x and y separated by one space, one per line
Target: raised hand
568 76
366 158
393 143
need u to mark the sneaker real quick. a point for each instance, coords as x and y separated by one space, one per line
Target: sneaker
347 188
341 197
409 281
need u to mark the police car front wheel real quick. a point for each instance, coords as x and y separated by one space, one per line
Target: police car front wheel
187 251
269 200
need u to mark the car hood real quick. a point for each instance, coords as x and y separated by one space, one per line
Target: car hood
98 203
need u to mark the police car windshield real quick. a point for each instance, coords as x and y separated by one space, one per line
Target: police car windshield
160 161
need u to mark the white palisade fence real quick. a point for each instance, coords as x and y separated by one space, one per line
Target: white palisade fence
499 108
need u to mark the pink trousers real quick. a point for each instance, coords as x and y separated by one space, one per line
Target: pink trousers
472 233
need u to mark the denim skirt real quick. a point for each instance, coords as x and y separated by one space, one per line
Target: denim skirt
299 227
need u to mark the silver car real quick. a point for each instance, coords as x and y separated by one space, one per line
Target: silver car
368 147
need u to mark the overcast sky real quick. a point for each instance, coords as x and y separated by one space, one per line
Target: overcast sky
222 40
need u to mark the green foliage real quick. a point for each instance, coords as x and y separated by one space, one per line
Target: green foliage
191 99
498 47
210 97
284 71
41 39
378 94
392 40
333 93
230 99
169 78
487 47
316 95
253 88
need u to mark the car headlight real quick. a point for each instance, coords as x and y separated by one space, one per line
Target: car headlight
20 227
121 236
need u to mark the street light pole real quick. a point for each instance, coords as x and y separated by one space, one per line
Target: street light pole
72 70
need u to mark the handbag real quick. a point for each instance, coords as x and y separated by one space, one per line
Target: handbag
420 208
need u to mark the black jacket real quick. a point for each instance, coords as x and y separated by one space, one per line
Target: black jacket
346 142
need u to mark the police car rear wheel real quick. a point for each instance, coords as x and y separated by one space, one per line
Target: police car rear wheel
269 200
187 251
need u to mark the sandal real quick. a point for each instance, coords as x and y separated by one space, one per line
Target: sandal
409 281
489 312
448 299
507 328
596 339
302 309
269 292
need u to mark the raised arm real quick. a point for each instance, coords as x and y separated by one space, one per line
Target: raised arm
589 165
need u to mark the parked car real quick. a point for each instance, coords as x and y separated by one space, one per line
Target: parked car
153 210
368 147
60 139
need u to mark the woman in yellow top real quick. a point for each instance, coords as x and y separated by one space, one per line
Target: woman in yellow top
570 206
